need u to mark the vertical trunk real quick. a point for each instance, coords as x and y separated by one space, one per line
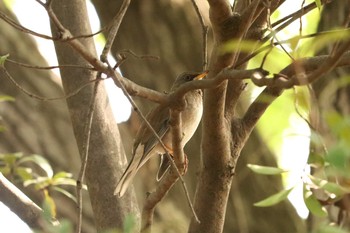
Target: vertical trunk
106 151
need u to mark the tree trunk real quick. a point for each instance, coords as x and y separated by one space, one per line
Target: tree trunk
106 152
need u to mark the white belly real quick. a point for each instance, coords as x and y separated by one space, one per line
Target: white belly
193 117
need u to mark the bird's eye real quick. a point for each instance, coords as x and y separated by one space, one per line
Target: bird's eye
188 77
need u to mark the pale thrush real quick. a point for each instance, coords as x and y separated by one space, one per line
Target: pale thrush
146 144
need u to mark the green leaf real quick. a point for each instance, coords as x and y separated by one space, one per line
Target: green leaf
129 224
339 125
316 160
2 128
65 226
49 207
3 59
318 4
24 173
4 98
40 182
64 181
265 170
313 204
330 229
5 170
274 199
62 178
323 41
338 157
65 192
330 187
242 45
11 158
40 161
62 174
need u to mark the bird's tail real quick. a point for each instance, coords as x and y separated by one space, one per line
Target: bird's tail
124 182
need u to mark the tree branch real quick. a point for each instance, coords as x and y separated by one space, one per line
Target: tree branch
20 204
114 29
293 75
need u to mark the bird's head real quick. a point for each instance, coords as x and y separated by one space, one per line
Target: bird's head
187 77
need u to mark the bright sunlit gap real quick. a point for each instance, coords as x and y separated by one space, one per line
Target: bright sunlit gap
25 10
292 149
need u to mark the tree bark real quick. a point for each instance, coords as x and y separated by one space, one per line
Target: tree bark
106 153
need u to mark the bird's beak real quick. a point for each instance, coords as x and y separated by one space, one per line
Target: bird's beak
201 75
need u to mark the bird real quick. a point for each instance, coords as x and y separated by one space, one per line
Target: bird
146 144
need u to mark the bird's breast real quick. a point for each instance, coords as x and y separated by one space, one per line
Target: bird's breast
191 116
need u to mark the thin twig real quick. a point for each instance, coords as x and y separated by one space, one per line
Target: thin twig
22 28
114 29
179 156
85 153
205 30
266 47
48 67
143 56
315 67
41 98
299 13
153 198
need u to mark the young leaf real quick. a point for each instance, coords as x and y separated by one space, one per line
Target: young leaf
40 161
64 181
318 4
65 192
274 199
64 227
10 158
3 59
330 187
265 170
242 45
330 229
4 98
39 182
49 207
62 175
24 173
313 204
129 224
316 160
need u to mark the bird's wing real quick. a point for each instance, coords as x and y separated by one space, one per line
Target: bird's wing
163 166
159 120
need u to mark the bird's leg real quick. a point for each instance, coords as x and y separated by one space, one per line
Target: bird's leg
165 164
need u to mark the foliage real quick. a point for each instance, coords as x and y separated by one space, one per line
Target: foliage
17 167
332 184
